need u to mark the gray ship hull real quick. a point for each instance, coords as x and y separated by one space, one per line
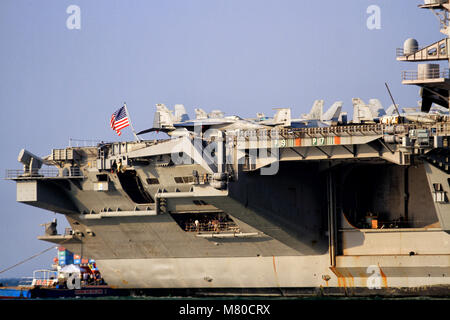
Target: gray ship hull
275 250
288 272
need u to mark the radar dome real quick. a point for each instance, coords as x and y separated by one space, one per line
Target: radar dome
410 46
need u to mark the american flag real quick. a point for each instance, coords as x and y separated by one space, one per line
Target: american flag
119 120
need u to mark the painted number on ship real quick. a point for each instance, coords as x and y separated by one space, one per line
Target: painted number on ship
283 143
318 141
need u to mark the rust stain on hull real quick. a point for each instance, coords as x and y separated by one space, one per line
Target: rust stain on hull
383 277
345 278
274 265
351 280
341 278
275 271
326 278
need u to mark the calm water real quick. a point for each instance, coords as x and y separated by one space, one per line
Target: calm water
16 281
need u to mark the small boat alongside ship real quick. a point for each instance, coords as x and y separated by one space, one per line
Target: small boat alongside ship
15 293
70 277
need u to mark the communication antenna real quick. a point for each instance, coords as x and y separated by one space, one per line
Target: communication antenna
395 105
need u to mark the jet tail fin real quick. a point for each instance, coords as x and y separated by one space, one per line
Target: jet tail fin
316 111
180 113
260 115
376 108
163 117
392 110
333 113
283 116
200 114
215 114
361 112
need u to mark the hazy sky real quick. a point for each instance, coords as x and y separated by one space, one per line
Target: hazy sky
241 56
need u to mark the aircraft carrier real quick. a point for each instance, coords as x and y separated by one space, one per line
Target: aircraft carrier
318 204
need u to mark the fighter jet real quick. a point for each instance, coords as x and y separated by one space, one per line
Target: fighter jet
435 109
375 113
164 119
415 115
177 123
315 118
367 113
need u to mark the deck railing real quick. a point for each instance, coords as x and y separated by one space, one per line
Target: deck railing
83 142
344 130
43 173
429 74
212 227
433 51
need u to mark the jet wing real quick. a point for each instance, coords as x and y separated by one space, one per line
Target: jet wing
308 124
155 129
201 123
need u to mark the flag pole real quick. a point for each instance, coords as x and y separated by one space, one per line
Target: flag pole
131 125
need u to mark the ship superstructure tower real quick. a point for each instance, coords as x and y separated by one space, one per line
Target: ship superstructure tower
434 82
